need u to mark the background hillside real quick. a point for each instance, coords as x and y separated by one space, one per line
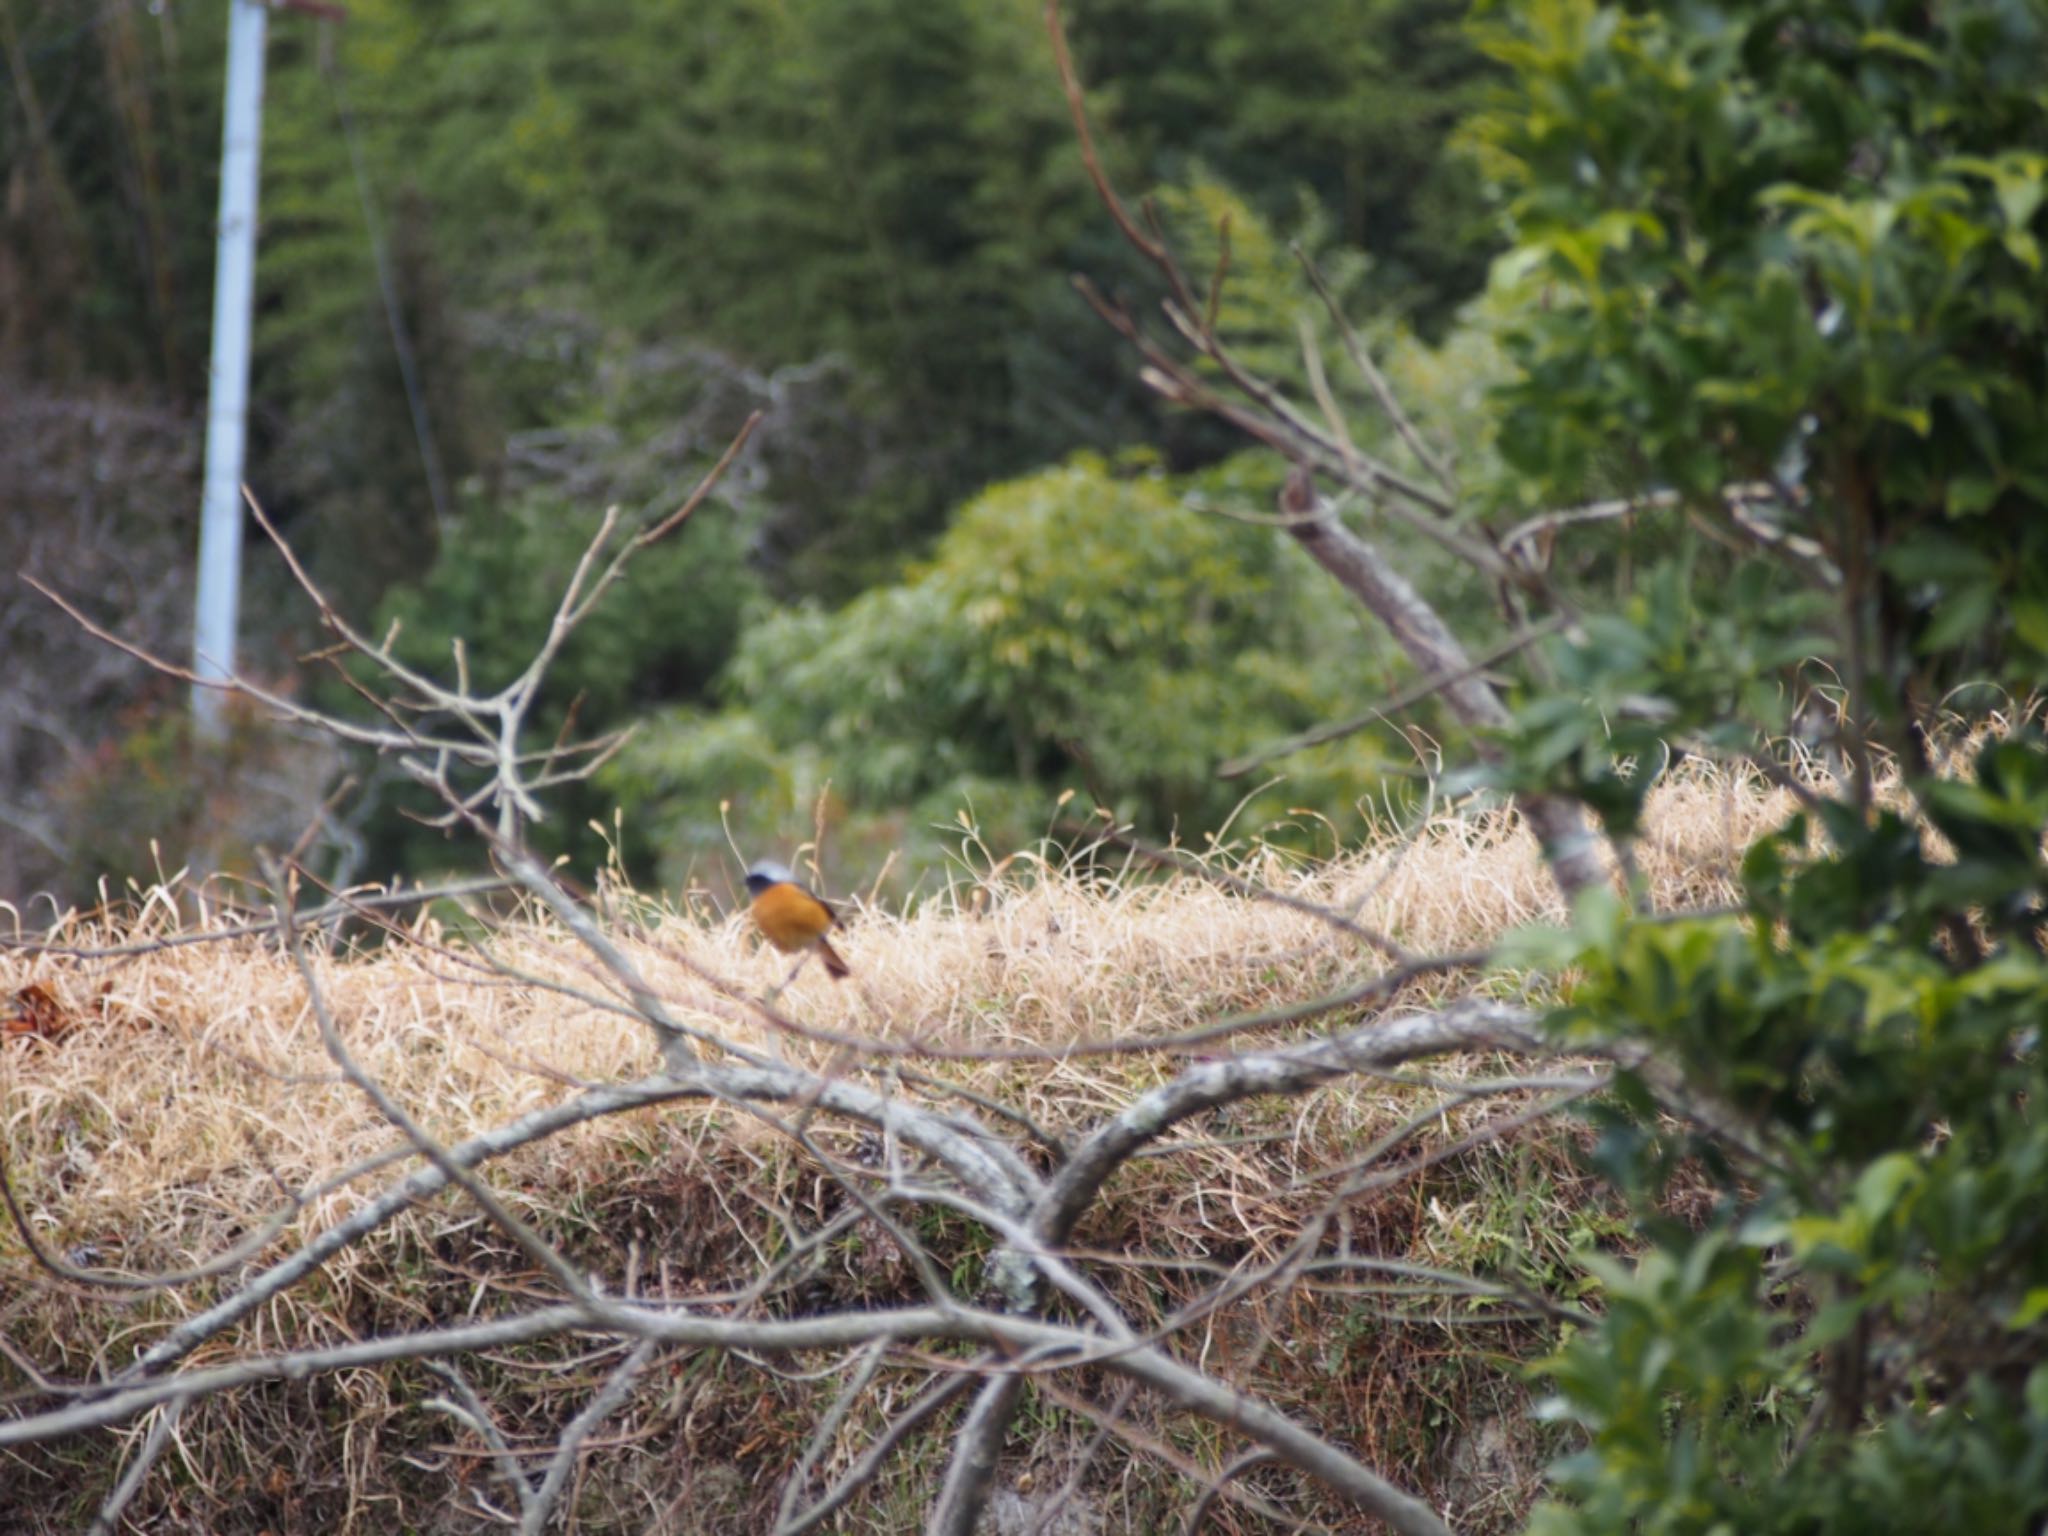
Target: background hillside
1449 878
600 234
181 1091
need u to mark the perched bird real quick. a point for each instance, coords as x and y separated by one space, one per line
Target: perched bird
790 917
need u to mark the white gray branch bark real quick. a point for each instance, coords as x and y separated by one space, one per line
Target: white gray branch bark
1570 847
980 1160
1062 1346
1469 1025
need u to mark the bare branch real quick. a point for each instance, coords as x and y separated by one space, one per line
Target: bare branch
471 1410
602 1406
1070 82
1199 1511
1468 1025
1559 825
1415 693
1376 381
1179 1384
864 1468
1074 1187
1163 1452
1104 1423
867 1363
530 1242
108 1519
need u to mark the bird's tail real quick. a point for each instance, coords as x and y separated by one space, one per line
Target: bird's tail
835 963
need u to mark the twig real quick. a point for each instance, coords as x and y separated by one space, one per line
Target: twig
820 1442
1376 381
869 1462
1079 1470
530 1242
108 1520
1216 277
1234 1469
1414 693
600 1407
470 1409
1186 1466
240 1252
972 1156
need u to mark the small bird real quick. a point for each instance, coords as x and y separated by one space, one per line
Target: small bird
790 917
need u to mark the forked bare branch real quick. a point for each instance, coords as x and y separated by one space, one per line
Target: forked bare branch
941 1147
1263 412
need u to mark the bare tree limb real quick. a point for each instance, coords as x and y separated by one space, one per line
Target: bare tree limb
617 1387
1179 1384
1568 844
107 1520
530 1242
1415 693
470 1409
1074 1187
968 1156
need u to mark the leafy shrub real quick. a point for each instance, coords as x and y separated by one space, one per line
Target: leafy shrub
1079 629
1800 246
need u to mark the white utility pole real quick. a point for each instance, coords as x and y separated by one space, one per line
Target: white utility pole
227 408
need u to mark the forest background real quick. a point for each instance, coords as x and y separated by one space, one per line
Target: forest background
522 261
1738 483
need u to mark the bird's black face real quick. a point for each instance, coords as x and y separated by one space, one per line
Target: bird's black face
768 873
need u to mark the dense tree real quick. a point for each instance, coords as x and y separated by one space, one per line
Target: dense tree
890 181
1801 246
108 144
1352 101
1091 628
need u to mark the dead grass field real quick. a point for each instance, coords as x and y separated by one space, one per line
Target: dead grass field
190 1091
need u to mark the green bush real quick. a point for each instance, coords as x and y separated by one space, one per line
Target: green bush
1079 629
662 633
1800 246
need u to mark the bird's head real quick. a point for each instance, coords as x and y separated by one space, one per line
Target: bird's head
766 873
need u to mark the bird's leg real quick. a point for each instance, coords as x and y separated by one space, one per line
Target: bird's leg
783 986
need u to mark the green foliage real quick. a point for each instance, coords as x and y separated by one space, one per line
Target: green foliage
108 148
1879 1257
1349 101
1078 629
1263 300
1799 245
1760 241
891 181
1680 659
663 632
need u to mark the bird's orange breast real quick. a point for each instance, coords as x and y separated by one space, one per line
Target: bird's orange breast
791 917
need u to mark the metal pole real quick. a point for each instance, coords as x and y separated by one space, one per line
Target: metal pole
234 285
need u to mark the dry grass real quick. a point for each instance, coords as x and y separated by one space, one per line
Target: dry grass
193 1086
